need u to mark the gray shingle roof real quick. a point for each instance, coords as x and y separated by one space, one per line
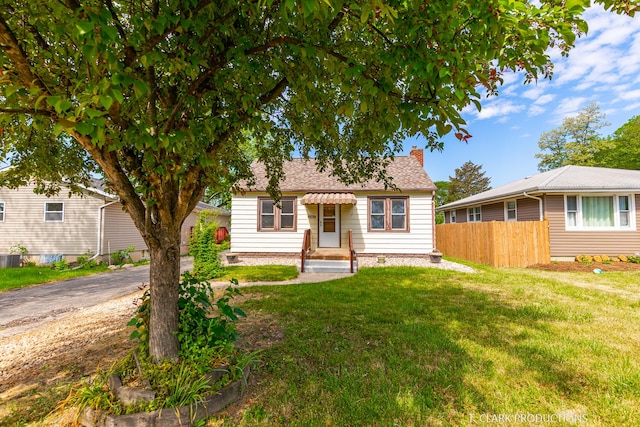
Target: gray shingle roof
564 179
302 176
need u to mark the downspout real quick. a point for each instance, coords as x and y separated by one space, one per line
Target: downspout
539 203
433 221
100 218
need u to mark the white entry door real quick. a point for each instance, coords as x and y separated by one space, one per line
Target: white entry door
329 233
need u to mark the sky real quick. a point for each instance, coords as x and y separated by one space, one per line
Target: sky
604 67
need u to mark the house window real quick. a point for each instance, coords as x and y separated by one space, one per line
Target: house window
452 216
54 212
277 218
599 212
388 214
474 214
510 212
1 211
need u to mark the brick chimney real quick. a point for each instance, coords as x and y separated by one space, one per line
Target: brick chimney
418 153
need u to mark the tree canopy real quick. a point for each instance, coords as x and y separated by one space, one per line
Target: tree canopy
158 95
578 142
469 179
575 142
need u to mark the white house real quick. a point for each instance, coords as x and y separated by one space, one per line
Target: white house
381 221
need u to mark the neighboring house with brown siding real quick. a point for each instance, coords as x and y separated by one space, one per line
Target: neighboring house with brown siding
382 221
590 210
95 224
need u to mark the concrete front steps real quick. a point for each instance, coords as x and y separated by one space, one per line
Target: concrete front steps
328 266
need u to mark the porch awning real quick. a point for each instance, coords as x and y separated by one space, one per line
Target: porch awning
329 199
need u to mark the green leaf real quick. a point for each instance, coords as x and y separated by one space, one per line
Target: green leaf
84 27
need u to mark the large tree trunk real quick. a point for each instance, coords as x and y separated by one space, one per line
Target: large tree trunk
164 287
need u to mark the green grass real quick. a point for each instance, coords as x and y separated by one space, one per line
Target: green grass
260 273
12 278
408 346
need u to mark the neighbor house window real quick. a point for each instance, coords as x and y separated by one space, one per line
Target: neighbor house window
1 211
388 214
54 212
599 212
452 216
277 218
474 214
510 210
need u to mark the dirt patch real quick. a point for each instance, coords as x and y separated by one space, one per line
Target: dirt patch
64 350
587 267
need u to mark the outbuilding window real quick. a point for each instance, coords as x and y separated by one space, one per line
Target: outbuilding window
1 211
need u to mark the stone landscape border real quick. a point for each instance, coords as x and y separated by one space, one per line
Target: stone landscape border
170 417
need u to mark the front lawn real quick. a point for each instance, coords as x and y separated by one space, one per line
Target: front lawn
406 346
259 273
12 278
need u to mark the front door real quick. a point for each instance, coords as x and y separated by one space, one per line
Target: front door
329 233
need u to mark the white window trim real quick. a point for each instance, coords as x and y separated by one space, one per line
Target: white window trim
4 211
506 210
616 212
47 211
452 216
479 208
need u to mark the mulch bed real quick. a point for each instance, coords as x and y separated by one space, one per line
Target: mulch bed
586 267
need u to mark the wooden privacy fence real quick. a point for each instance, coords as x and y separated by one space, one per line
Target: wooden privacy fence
497 243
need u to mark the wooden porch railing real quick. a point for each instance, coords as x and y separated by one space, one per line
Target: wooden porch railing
352 252
306 246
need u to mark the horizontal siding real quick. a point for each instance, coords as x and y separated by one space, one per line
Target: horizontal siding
528 209
571 243
492 212
24 223
246 238
120 231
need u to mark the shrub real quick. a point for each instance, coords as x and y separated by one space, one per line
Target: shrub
586 259
633 259
203 326
203 247
61 265
597 258
623 258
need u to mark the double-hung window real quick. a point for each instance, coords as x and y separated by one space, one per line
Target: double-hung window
389 214
599 212
474 214
452 216
54 212
277 218
1 211
510 210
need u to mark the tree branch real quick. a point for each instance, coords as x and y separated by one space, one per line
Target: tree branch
9 43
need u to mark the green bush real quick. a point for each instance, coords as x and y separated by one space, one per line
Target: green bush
204 249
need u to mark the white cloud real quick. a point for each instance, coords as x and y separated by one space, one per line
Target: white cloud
536 110
545 99
570 106
500 109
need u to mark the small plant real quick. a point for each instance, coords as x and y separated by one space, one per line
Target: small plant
122 256
585 259
597 258
633 259
623 258
61 265
204 248
18 249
